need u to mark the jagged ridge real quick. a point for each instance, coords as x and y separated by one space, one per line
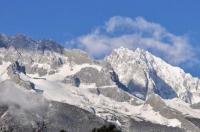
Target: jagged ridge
144 74
118 89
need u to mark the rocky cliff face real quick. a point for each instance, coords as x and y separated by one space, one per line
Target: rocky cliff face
28 112
52 88
143 74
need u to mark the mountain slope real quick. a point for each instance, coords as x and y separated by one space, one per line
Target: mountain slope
144 74
128 88
25 111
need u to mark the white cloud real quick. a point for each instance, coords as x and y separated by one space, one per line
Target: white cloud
133 33
138 23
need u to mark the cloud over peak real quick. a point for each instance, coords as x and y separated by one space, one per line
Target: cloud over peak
136 33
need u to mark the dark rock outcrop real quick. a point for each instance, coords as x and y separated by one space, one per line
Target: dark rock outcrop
90 75
13 72
31 112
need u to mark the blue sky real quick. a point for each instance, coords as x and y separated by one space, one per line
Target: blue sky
78 20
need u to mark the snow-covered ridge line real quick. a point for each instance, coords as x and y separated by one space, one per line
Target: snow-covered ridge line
57 91
142 69
121 86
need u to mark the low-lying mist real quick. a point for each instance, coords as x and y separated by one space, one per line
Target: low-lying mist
22 104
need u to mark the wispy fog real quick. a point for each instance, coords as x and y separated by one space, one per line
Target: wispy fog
22 103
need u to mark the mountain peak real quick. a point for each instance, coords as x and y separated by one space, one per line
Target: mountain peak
24 42
143 73
128 82
127 51
130 56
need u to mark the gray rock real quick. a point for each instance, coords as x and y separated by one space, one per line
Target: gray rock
159 105
1 61
113 93
42 71
195 106
13 71
31 112
73 80
77 56
143 126
90 75
51 72
56 62
31 69
15 67
26 84
22 42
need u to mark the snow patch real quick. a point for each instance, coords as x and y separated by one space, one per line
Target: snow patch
3 71
183 107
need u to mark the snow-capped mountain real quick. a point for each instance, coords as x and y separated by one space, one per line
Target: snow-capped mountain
143 74
134 90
